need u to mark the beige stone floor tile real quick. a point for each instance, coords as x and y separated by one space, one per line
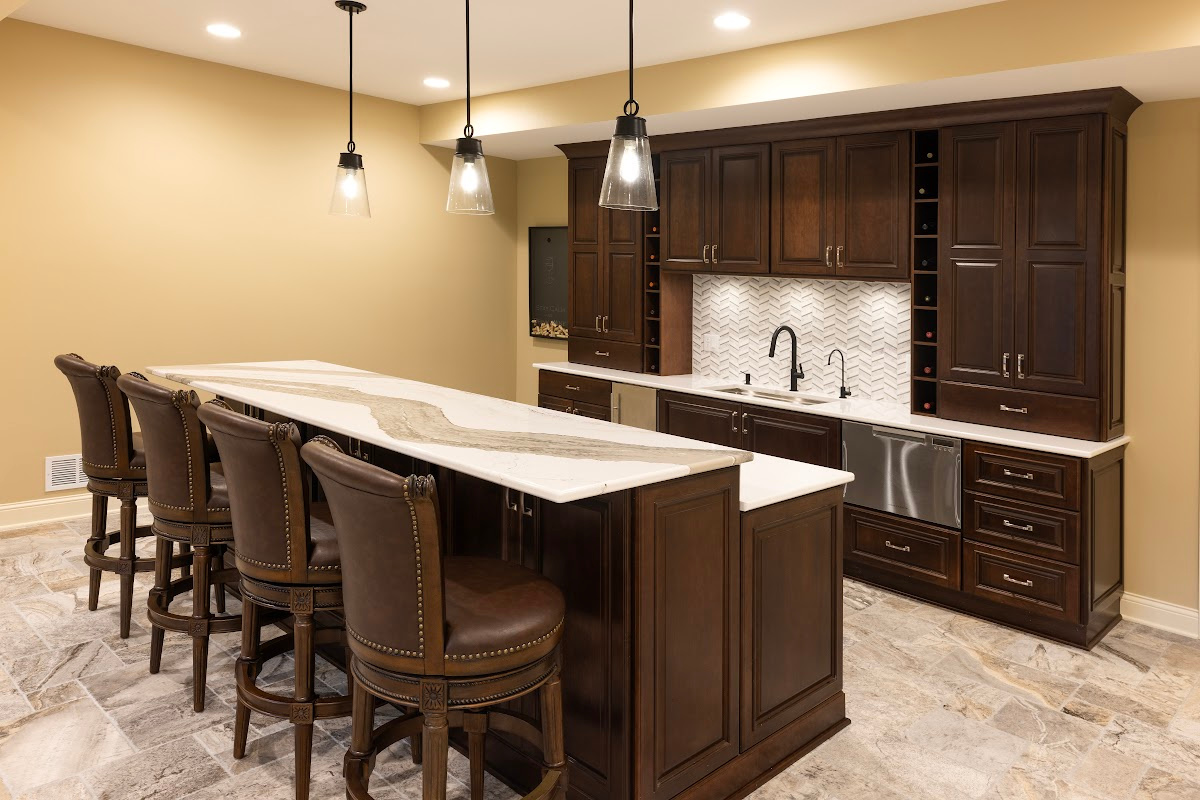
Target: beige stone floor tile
56 695
174 769
1176 755
1107 773
1160 785
1046 726
69 789
47 670
80 734
969 743
1016 679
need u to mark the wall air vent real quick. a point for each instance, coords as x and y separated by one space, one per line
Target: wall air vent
65 472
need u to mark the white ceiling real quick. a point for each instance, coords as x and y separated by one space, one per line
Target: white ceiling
398 43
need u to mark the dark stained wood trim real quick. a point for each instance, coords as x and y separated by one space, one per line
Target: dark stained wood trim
1115 101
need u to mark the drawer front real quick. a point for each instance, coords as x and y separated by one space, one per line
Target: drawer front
1058 415
575 388
1036 530
599 353
554 403
1046 588
1041 478
903 545
592 410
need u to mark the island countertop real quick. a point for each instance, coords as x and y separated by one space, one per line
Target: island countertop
548 454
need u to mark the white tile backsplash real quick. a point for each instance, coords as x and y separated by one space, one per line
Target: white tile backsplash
734 317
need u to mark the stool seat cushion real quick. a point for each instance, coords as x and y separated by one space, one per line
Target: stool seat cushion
498 615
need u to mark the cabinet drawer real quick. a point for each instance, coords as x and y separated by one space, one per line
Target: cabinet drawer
1041 478
903 545
1035 530
1058 415
599 353
575 388
1046 588
592 410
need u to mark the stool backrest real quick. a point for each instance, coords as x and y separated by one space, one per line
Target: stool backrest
105 429
177 474
268 493
389 541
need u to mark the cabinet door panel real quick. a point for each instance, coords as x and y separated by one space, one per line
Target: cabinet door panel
621 285
975 329
1054 177
1052 327
684 212
799 437
741 197
977 188
554 403
802 207
713 421
583 209
873 209
586 305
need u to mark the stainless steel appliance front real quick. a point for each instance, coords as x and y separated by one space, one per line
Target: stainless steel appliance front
916 475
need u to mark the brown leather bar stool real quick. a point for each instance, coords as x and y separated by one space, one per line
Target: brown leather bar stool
287 554
450 638
115 465
190 505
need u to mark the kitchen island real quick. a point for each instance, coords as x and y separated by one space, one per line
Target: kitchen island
702 649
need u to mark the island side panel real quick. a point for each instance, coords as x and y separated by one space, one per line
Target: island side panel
687 615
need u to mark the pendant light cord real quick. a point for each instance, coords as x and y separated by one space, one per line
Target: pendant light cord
350 144
468 129
631 105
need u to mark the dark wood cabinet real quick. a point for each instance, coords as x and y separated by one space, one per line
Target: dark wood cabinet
872 206
715 209
786 434
803 192
573 394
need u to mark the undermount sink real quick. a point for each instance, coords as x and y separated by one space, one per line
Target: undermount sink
782 395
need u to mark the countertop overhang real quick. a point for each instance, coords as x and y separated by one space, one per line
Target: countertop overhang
852 409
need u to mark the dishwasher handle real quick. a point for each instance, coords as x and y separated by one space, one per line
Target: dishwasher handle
882 432
845 467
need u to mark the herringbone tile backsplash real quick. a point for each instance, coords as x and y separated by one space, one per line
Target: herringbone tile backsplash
870 322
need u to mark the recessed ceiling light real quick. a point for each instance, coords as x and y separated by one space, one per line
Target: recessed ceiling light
437 83
224 30
732 21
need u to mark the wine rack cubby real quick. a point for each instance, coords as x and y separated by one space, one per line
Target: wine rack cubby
924 359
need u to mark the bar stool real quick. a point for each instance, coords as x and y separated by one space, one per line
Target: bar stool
190 505
449 638
287 554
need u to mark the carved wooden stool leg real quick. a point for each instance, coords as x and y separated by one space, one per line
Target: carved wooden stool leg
305 693
436 746
99 532
476 725
414 744
201 597
164 552
553 749
362 727
186 569
128 564
249 658
219 588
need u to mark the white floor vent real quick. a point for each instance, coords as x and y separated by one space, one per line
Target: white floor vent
65 472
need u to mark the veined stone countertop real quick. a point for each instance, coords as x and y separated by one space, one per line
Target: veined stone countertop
768 480
853 409
551 455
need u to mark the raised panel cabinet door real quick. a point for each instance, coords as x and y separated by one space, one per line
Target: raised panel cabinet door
585 305
584 176
621 286
786 434
803 191
975 323
873 207
683 208
713 421
976 192
741 200
1059 281
554 403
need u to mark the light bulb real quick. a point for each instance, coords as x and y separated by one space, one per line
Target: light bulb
469 180
350 186
631 166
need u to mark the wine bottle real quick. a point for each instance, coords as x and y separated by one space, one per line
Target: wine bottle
928 299
927 406
928 334
928 370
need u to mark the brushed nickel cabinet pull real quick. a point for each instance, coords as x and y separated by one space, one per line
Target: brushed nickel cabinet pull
597 323
574 410
841 248
1025 476
1022 410
1011 579
508 503
744 416
735 427
904 549
602 354
569 387
1005 368
1020 366
604 323
706 247
714 255
829 255
1015 526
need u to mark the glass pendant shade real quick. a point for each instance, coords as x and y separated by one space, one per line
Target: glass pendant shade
629 176
470 189
350 188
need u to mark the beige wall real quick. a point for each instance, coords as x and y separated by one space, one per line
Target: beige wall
1163 352
156 209
541 200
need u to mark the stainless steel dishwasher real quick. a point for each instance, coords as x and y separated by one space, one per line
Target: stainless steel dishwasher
916 475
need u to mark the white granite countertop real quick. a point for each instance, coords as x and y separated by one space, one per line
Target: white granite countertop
548 454
768 480
872 412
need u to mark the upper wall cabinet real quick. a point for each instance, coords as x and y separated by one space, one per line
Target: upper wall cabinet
872 206
803 202
715 209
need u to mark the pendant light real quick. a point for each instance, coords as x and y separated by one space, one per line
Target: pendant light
350 185
629 175
470 190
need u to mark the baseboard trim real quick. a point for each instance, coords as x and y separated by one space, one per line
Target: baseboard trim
1159 614
52 509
